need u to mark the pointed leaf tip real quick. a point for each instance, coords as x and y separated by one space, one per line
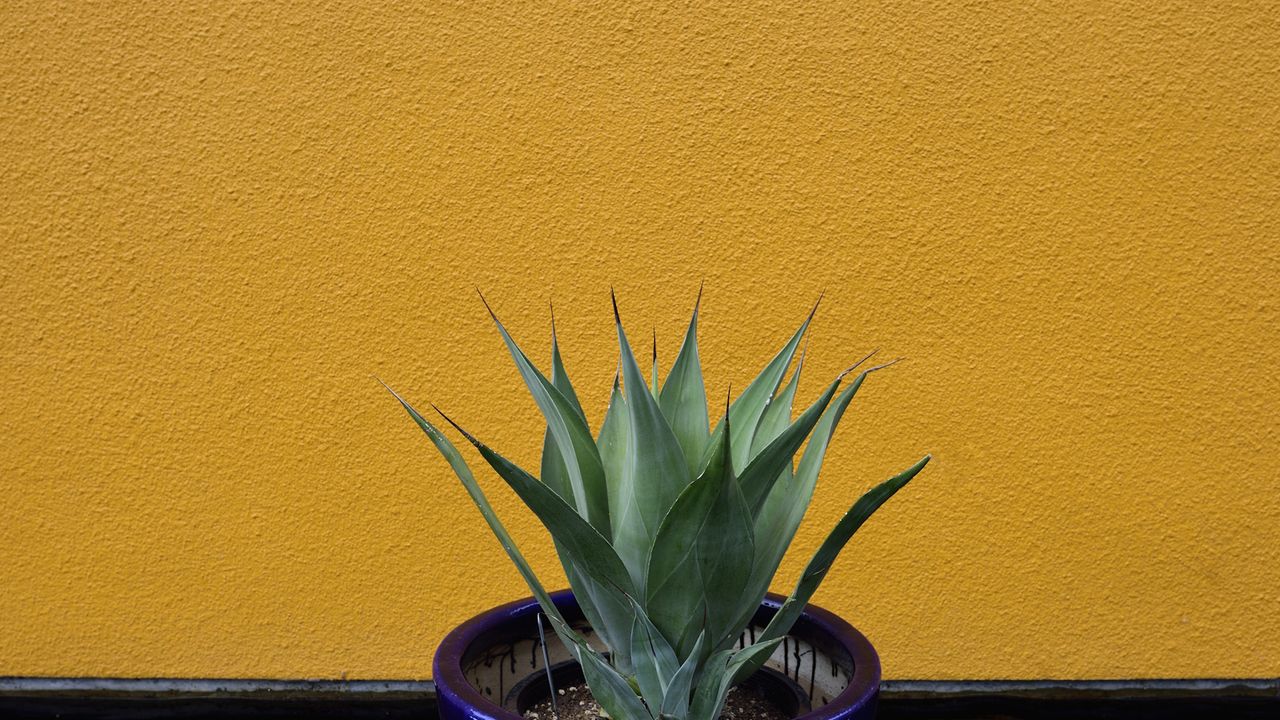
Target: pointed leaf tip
882 366
455 425
614 297
394 394
855 366
492 314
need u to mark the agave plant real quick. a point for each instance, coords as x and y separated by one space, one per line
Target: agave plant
670 531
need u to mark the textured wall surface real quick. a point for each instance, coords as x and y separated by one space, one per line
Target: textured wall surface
220 219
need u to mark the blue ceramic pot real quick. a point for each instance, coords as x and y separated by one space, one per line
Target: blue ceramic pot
491 667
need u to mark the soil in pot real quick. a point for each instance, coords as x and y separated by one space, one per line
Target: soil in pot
576 703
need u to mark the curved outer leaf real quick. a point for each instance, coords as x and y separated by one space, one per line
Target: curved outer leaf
702 557
586 547
602 609
765 469
720 673
608 687
762 474
653 473
684 398
675 703
572 436
776 419
567 634
827 553
777 413
747 409
785 507
610 617
654 661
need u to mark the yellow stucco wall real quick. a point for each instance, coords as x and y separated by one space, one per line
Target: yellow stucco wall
220 219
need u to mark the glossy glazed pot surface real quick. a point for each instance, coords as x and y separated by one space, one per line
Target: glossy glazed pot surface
492 667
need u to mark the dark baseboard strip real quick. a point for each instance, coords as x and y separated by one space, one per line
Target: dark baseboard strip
136 699
1204 687
225 687
1077 689
1188 699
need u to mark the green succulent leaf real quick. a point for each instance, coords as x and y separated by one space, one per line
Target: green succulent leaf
779 518
654 661
603 610
725 551
653 472
560 377
609 688
684 398
607 614
588 549
777 414
749 407
675 700
719 674
675 598
830 549
613 443
610 618
765 469
568 427
702 556
463 471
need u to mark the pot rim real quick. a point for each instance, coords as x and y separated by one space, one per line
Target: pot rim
450 682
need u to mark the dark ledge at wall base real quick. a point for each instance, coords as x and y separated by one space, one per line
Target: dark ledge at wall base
125 699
